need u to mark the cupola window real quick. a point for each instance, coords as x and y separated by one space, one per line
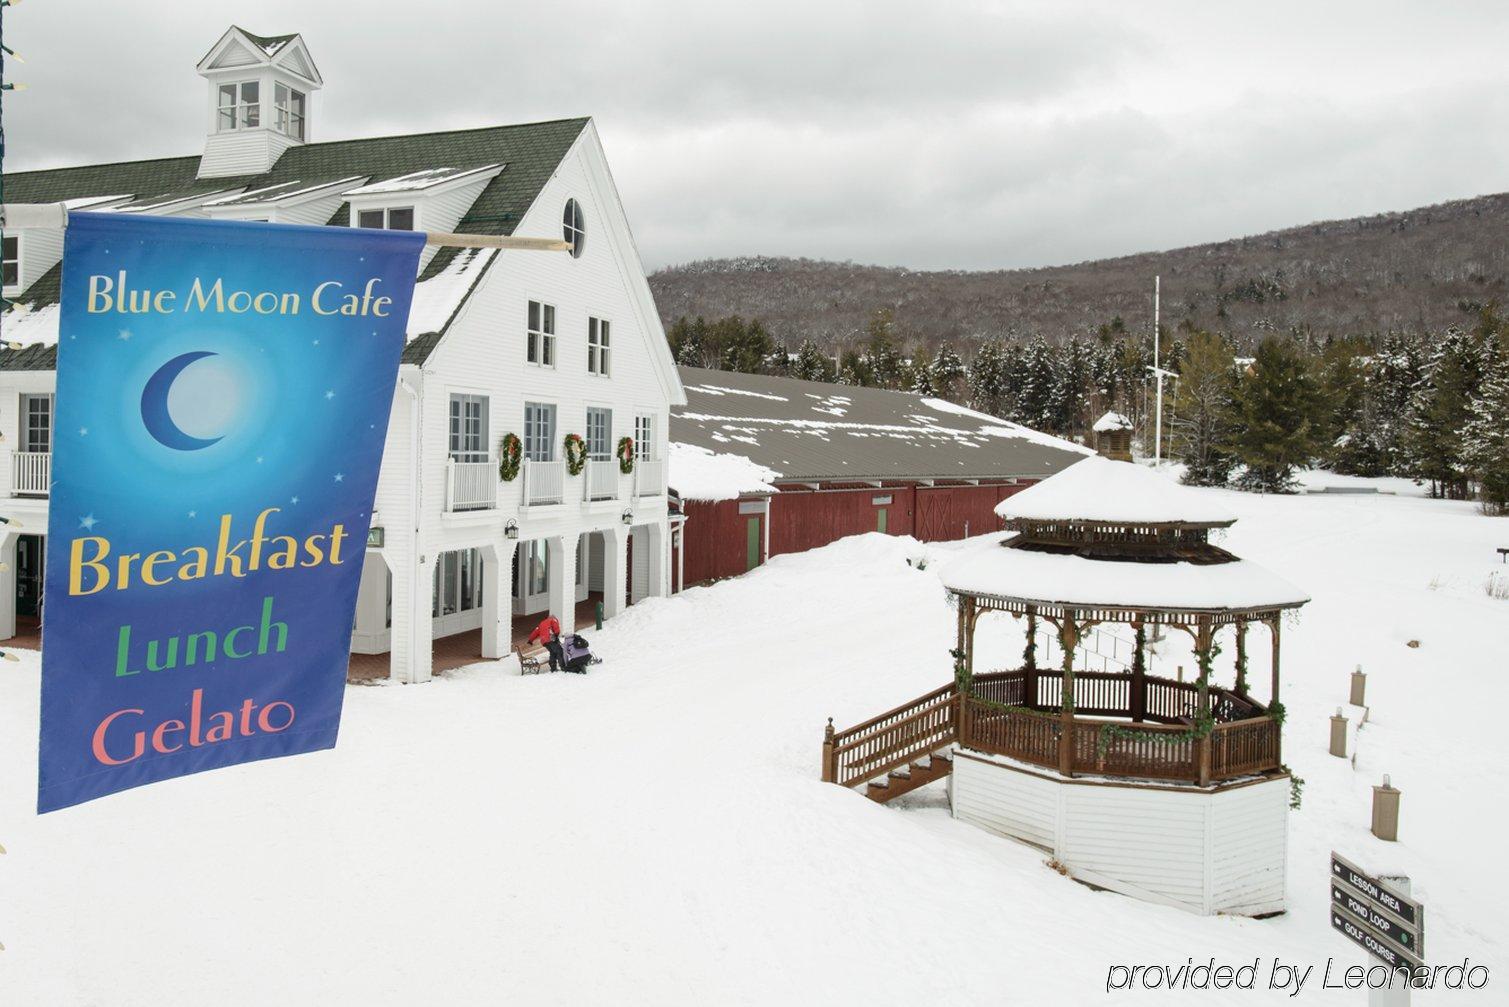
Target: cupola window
240 105
289 106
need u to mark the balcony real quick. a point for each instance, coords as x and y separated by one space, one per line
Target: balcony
602 480
544 483
30 473
649 477
470 484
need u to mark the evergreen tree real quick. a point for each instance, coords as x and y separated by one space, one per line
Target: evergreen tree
947 373
1486 439
1036 398
1071 388
1202 396
1440 411
1272 417
812 364
986 379
883 357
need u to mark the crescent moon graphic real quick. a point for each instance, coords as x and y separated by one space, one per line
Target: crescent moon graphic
154 405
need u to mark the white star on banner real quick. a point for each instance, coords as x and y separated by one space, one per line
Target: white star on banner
83 431
87 522
330 394
340 477
124 334
294 500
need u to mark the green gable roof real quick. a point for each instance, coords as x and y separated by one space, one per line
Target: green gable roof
531 153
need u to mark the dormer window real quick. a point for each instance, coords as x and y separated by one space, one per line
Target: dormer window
289 105
240 106
10 262
393 218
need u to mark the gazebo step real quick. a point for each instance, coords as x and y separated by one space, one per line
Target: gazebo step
904 781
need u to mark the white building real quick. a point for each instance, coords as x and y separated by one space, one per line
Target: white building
535 344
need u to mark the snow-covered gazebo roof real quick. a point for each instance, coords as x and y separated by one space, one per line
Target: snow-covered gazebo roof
1099 491
1048 580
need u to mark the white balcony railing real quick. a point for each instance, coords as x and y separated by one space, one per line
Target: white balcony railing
602 480
470 485
30 473
544 482
649 477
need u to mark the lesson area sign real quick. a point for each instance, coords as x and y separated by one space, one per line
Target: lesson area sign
1388 925
223 392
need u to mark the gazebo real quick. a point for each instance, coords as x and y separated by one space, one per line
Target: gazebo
1112 543
1158 788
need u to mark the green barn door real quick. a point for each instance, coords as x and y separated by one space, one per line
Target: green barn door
880 520
752 543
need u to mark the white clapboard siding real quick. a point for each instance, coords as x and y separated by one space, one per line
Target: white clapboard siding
1206 851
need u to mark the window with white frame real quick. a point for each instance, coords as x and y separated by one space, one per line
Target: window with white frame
240 106
540 340
36 419
574 227
392 218
468 428
288 106
539 431
458 582
599 346
644 437
599 434
11 264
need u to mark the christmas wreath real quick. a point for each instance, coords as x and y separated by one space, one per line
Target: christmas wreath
626 455
510 454
576 454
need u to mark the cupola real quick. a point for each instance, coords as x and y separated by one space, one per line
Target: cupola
260 91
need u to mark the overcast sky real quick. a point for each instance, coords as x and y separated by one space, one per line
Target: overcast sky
942 135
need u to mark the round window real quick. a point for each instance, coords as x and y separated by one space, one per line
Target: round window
574 228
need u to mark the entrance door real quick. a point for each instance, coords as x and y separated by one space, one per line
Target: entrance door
880 520
31 551
752 543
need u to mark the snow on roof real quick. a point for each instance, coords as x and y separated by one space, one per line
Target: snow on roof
994 426
1097 489
1111 421
31 327
721 390
283 190
436 299
416 180
1052 578
699 474
82 202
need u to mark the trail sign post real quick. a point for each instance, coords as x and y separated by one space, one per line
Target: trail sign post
1378 915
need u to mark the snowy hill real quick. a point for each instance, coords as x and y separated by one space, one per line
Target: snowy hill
655 832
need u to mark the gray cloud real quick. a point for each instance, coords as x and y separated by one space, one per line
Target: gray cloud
969 135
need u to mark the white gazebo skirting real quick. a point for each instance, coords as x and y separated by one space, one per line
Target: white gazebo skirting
1207 850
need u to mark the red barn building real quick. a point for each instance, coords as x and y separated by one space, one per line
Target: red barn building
761 466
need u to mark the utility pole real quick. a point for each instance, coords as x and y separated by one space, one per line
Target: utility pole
1160 374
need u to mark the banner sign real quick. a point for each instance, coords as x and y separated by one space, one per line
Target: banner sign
223 392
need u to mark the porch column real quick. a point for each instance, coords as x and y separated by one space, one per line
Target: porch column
412 640
657 581
1139 673
8 540
1068 639
1241 686
615 570
1204 638
562 567
1273 626
497 598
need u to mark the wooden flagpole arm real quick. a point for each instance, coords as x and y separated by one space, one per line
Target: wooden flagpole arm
55 217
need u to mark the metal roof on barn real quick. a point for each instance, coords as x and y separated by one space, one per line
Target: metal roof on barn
809 431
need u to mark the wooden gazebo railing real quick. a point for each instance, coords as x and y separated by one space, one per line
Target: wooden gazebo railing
1016 714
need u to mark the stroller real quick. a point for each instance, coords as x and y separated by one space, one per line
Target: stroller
578 657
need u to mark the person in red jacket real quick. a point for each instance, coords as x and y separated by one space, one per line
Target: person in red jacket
548 632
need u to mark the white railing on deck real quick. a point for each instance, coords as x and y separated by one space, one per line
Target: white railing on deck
30 472
602 480
470 485
649 477
544 482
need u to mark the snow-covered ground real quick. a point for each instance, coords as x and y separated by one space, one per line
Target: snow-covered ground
655 833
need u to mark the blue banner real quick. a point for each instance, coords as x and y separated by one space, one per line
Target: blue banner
222 399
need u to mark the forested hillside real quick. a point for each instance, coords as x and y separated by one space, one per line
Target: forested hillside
1410 272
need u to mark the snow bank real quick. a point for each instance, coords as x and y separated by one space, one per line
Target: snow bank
699 474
